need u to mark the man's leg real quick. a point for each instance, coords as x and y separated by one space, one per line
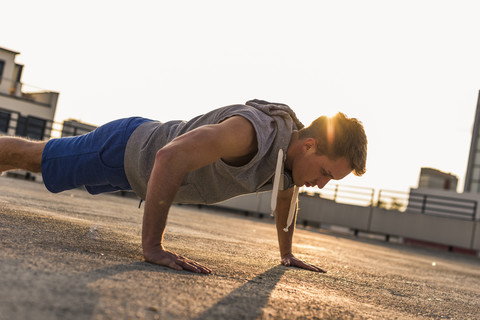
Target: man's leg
20 153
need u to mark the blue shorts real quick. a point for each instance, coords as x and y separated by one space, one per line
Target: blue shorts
94 160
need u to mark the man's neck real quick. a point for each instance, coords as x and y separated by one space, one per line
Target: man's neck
291 150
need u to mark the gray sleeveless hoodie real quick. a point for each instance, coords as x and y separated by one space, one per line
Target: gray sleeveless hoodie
273 123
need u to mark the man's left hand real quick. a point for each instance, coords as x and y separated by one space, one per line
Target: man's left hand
290 260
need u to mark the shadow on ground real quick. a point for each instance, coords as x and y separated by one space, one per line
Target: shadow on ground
248 300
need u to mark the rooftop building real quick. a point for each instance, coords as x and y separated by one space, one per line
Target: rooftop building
436 179
72 127
23 111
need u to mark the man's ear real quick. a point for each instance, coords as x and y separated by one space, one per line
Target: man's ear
310 143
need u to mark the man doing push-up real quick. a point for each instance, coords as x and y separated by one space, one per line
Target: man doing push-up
234 150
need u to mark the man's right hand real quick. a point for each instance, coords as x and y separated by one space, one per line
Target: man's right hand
172 260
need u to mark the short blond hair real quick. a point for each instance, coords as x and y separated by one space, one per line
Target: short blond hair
339 136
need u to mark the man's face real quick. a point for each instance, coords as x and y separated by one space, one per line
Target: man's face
310 169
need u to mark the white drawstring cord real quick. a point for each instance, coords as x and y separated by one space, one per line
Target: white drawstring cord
293 208
276 181
276 187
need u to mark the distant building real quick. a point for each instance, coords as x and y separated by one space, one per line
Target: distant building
472 178
75 128
436 179
23 112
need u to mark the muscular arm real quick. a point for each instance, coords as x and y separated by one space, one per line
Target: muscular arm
285 238
232 139
281 215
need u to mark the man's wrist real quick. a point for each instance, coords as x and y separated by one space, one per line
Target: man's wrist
147 247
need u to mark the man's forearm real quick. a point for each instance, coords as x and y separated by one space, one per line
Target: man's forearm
161 190
154 223
285 241
281 216
285 238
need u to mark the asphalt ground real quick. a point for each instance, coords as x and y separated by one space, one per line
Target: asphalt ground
76 256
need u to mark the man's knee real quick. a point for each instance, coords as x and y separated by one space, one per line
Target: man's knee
19 153
35 152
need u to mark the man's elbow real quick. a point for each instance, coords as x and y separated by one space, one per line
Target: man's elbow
164 155
173 160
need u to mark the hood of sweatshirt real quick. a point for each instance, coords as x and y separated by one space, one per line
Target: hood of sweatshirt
275 109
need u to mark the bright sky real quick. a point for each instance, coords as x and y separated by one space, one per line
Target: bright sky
409 70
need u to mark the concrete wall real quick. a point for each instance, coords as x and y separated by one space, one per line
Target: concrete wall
255 203
30 108
476 237
315 210
318 210
442 230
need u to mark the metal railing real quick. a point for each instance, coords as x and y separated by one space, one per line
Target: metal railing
37 128
392 200
400 201
360 196
14 123
444 206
